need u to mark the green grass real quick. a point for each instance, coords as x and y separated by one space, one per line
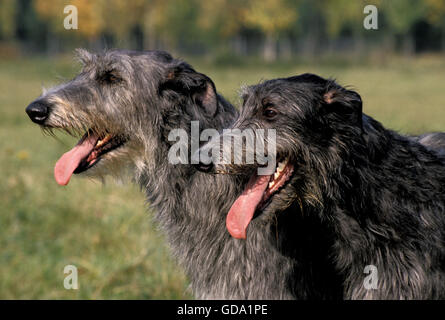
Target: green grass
105 230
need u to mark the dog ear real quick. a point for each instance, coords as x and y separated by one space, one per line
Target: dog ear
344 103
84 56
200 88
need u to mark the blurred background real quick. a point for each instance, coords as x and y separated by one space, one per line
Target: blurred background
104 229
224 29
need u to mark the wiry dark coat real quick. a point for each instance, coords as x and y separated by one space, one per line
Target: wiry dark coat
142 96
191 208
363 195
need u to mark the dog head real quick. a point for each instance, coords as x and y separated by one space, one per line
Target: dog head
122 104
313 120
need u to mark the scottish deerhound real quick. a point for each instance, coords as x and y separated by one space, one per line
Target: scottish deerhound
379 197
125 104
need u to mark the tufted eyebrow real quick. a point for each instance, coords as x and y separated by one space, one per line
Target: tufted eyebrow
244 91
266 102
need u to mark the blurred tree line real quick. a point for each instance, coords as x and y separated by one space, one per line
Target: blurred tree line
268 28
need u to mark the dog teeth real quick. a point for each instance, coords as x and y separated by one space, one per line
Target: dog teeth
103 141
99 143
278 172
280 168
282 165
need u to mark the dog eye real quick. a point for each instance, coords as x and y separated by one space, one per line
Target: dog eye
109 77
270 113
112 78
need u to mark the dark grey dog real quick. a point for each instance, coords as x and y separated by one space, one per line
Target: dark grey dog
127 103
378 198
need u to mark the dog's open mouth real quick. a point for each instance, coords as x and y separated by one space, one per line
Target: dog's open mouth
256 196
87 153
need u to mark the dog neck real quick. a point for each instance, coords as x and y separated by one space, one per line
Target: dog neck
372 204
192 212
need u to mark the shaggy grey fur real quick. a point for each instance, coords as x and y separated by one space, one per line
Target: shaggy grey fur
377 196
141 96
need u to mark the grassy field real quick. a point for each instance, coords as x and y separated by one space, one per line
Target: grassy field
105 230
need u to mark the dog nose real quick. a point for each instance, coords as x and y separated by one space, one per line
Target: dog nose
203 167
37 112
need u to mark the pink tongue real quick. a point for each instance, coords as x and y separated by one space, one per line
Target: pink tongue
244 207
70 160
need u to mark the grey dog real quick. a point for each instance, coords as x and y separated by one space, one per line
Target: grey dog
125 104
375 195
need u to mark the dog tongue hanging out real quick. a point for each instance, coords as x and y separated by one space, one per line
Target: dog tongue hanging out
69 162
255 196
244 207
85 155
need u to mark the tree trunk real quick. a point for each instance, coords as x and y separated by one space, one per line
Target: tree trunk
359 45
150 41
52 44
408 45
270 48
285 46
310 45
239 45
442 44
137 37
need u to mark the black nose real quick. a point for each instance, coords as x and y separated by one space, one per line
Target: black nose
203 167
37 112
